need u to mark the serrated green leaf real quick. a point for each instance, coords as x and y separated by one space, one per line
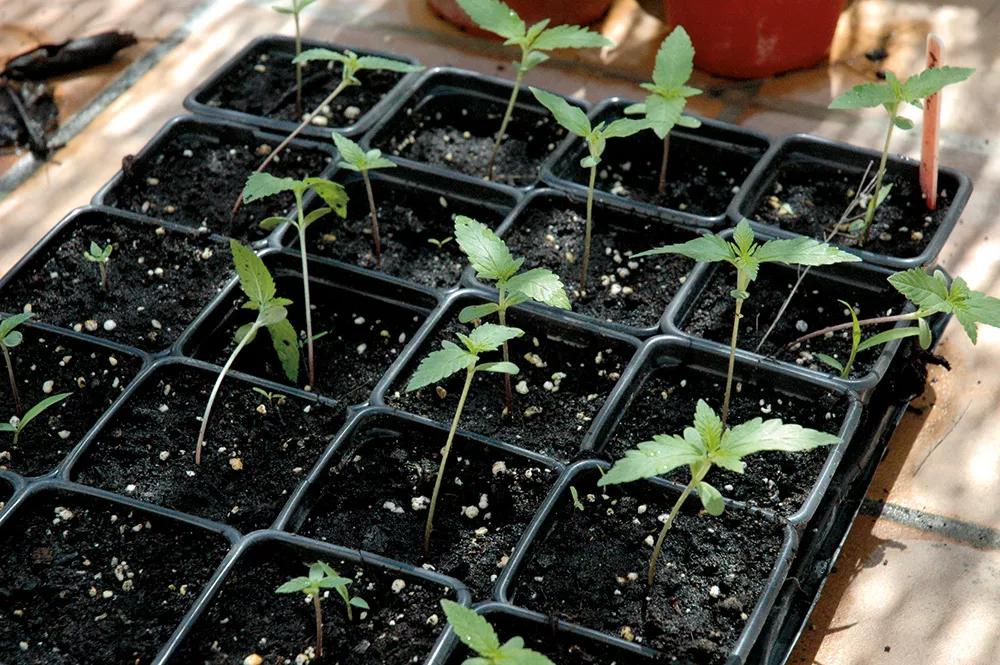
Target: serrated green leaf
663 113
759 435
711 499
802 252
567 115
285 342
743 236
494 16
499 368
540 285
708 248
40 408
674 60
569 36
926 83
473 312
294 585
350 152
487 253
473 630
865 95
261 185
536 29
654 458
441 364
372 62
255 280
332 193
708 424
929 292
490 336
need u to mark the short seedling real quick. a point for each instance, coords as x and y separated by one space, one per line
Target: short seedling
576 122
709 442
498 18
322 576
353 158
440 243
493 262
16 425
11 337
452 358
100 256
272 398
576 498
891 94
262 185
258 286
668 93
475 632
295 8
746 255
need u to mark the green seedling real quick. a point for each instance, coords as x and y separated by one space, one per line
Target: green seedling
262 185
475 632
534 41
708 443
891 94
576 498
258 286
493 262
668 93
746 255
440 243
10 338
100 256
353 158
16 425
322 576
272 398
448 360
295 8
576 122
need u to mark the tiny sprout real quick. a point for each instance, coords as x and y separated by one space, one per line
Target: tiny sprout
500 19
440 243
576 498
451 358
475 632
295 8
272 398
16 425
99 256
11 337
322 576
709 442
353 158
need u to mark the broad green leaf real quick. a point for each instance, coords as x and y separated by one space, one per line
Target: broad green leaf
386 64
39 408
569 36
332 193
928 292
360 603
350 152
829 361
13 339
494 16
286 345
441 364
271 223
663 113
567 115
540 285
708 425
709 248
802 252
319 54
624 127
689 121
489 336
487 253
472 629
255 280
654 458
758 435
261 185
12 322
866 95
926 83
711 499
473 312
499 368
294 585
674 60
888 336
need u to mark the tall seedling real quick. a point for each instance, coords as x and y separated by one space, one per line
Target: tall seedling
353 158
11 337
16 425
295 8
498 18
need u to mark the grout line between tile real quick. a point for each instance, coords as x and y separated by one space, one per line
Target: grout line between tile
964 532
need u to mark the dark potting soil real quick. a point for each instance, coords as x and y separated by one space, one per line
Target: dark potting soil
365 336
6 491
255 454
775 480
95 377
248 617
40 106
809 197
458 131
90 581
589 568
159 280
620 289
263 84
374 497
815 306
194 177
567 376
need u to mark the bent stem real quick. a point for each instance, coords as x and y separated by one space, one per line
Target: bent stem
371 205
13 382
662 186
503 125
508 394
695 479
215 390
585 264
319 624
470 372
305 289
873 201
912 316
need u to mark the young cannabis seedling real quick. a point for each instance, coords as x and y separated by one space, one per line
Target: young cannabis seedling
668 93
452 358
11 337
746 255
262 185
100 256
891 94
322 576
576 122
295 8
498 18
475 632
258 286
493 262
440 243
353 158
16 425
709 442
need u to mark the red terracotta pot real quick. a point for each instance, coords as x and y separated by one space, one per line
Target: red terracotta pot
578 12
756 38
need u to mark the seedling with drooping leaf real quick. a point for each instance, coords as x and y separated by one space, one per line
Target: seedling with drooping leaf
891 94
498 18
262 185
576 122
100 256
353 158
323 576
295 8
258 286
10 338
708 443
448 360
668 93
493 262
16 425
746 255
475 632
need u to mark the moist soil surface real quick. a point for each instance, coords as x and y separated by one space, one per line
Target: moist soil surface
248 617
374 497
775 480
40 106
6 490
458 131
95 377
582 569
620 289
565 378
89 581
815 306
809 198
256 451
158 281
263 84
194 176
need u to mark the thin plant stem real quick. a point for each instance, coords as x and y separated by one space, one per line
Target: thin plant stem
104 276
470 372
503 125
697 478
508 394
305 289
298 66
912 316
873 201
215 390
13 381
350 612
374 215
661 187
732 359
585 263
319 625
